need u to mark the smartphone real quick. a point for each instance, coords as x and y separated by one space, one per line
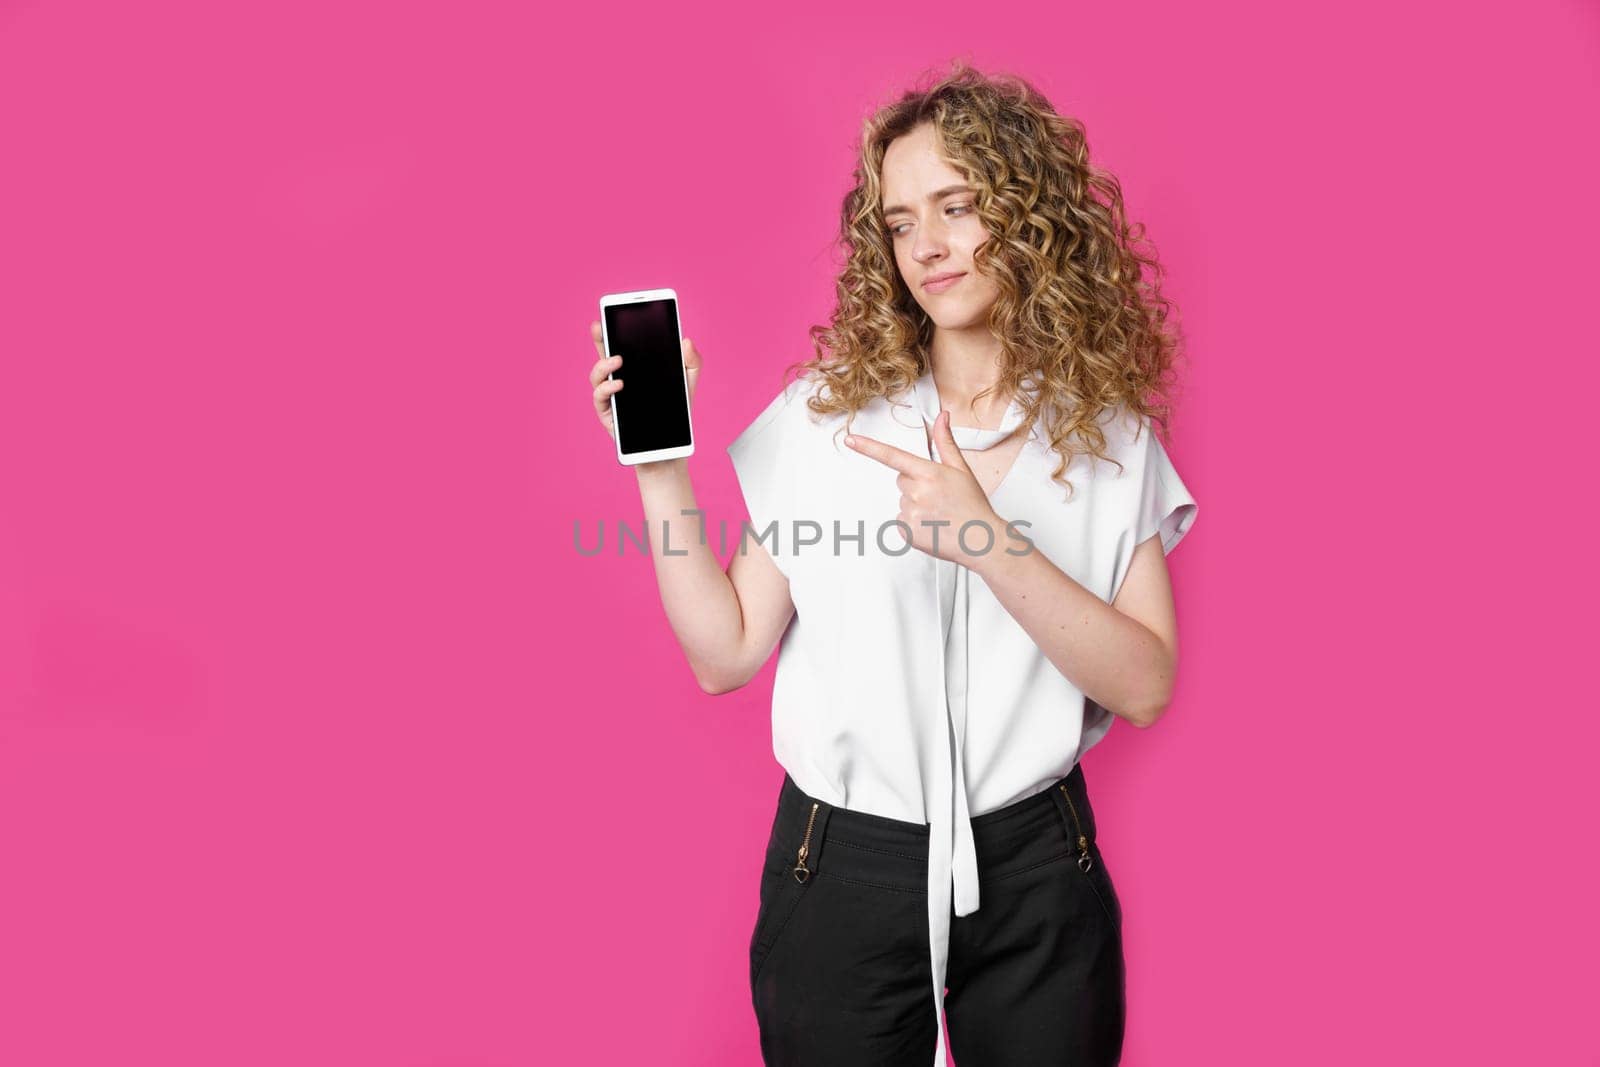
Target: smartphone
650 412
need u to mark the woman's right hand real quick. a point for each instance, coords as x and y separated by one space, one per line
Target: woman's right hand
727 621
604 387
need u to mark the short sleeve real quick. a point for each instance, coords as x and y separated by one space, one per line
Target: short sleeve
1165 506
762 462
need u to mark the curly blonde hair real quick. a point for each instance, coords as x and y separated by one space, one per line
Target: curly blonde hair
1079 306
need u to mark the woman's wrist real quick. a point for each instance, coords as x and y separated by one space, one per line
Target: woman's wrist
1004 552
661 469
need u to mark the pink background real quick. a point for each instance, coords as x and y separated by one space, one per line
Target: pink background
320 744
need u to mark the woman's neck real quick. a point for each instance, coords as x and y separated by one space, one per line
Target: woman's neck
965 364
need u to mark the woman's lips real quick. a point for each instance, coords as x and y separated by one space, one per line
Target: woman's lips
941 286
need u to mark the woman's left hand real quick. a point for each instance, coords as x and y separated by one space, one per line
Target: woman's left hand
937 500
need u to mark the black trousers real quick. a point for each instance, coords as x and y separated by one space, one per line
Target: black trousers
839 962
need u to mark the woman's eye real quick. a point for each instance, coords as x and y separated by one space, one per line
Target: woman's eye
894 231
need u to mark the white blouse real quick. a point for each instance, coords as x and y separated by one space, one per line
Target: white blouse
897 660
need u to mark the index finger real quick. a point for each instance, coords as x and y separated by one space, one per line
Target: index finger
888 455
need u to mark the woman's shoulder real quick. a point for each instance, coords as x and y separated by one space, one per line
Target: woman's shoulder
785 417
791 407
1132 446
1125 434
795 391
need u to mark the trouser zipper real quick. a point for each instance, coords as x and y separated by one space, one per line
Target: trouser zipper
801 871
1084 861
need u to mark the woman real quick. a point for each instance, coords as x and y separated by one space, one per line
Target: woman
969 588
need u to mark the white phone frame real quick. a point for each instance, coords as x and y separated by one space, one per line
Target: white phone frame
629 459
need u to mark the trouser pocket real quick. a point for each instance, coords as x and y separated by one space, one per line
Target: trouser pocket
1087 858
782 886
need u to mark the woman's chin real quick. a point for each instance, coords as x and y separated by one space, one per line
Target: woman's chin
957 318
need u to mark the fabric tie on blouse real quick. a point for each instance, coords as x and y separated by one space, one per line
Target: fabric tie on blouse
952 859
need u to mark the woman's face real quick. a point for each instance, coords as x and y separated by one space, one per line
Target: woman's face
932 224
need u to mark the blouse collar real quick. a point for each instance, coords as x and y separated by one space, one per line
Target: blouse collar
925 396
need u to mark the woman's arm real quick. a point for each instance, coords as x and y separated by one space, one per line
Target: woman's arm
1123 656
726 623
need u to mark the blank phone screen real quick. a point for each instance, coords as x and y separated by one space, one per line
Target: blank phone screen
652 411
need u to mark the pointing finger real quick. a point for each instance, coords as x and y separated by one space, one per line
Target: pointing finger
888 455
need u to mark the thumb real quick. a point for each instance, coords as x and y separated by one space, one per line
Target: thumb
691 363
949 453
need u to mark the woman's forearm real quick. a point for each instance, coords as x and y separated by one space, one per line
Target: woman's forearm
1111 658
696 592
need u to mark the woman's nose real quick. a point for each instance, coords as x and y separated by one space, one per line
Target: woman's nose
930 242
928 248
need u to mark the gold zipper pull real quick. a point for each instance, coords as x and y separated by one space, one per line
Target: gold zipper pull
801 871
1085 861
